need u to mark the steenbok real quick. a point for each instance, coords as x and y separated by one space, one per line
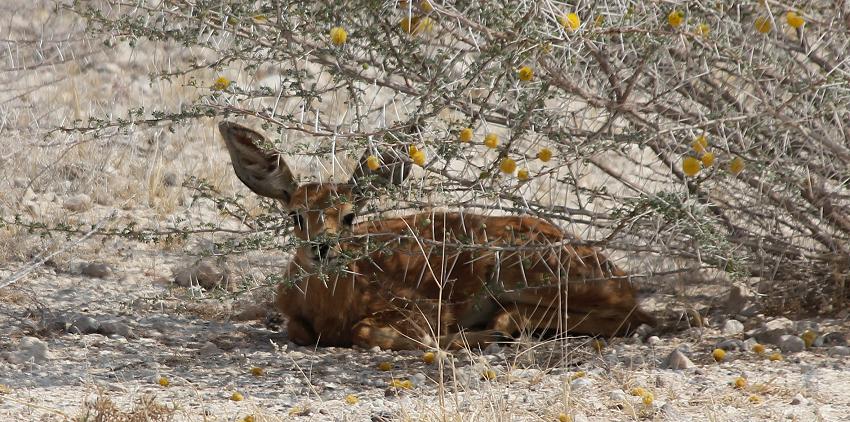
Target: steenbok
436 279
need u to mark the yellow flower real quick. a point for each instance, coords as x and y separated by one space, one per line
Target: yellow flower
221 83
260 18
647 398
638 391
491 140
401 384
338 35
416 24
690 166
563 417
699 144
775 356
577 375
488 374
385 366
428 357
507 166
570 21
408 23
794 20
257 371
763 24
426 6
412 149
809 337
754 399
237 396
718 355
522 174
163 381
465 134
740 383
425 25
758 348
351 399
736 166
525 73
544 155
419 158
703 29
708 159
249 418
675 18
373 163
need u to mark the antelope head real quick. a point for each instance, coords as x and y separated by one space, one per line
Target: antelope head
322 213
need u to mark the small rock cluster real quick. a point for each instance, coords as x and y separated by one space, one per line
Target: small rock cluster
85 324
788 336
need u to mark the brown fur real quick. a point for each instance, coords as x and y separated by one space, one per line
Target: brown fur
450 278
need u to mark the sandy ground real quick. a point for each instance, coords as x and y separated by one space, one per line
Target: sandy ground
168 334
103 327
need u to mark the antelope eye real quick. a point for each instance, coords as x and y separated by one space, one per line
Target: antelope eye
297 220
348 219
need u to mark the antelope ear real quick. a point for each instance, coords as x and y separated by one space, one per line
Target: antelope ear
264 173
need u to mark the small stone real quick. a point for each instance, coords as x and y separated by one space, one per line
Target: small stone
617 395
677 360
419 379
831 339
96 270
252 312
207 274
170 179
684 348
730 345
653 340
732 327
80 202
643 331
791 344
670 412
750 343
770 332
114 327
798 400
736 300
839 351
492 349
20 182
579 384
30 349
84 325
209 349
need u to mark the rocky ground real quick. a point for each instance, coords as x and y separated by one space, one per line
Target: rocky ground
96 340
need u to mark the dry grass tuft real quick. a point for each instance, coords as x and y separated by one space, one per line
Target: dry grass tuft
103 409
